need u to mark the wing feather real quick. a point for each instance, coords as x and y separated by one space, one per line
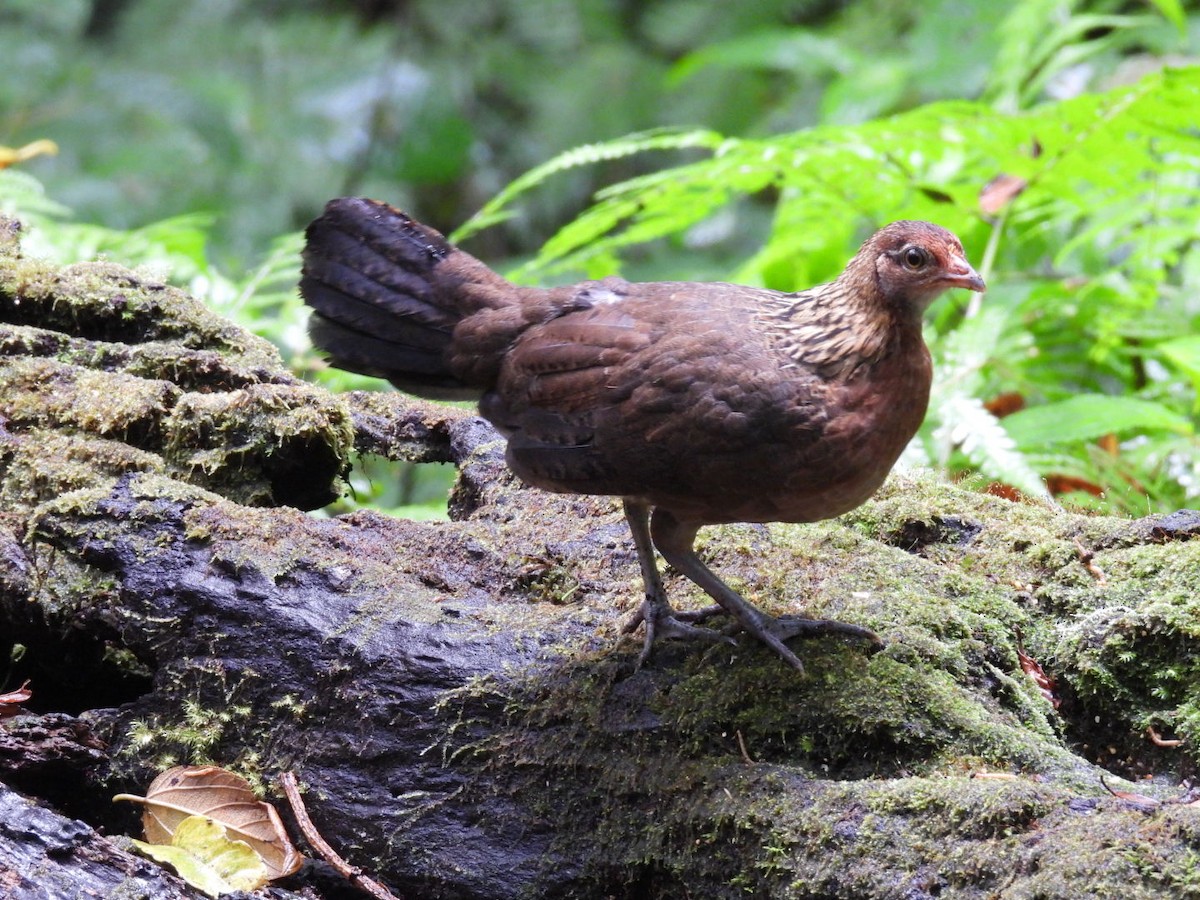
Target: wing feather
585 392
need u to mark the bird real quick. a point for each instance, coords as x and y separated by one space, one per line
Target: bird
695 403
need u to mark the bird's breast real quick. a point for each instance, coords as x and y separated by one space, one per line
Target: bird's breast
871 420
823 461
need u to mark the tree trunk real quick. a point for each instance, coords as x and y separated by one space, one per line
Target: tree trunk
457 697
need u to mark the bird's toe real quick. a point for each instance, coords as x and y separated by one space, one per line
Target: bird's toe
662 622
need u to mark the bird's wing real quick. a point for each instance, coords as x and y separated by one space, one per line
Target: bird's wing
617 396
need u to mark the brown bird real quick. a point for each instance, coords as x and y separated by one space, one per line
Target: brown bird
697 404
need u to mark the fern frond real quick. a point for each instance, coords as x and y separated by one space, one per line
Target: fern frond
496 210
274 280
966 425
964 352
24 196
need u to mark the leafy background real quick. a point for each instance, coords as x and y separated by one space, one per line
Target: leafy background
680 139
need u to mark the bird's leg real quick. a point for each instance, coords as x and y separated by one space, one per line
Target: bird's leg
674 540
660 619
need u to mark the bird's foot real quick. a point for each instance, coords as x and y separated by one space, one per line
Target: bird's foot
652 609
798 626
775 631
663 622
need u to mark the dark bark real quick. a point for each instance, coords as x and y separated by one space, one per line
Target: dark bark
46 856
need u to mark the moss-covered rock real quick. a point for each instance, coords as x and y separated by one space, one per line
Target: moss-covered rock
94 352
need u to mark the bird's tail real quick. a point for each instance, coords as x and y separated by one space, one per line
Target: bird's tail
387 293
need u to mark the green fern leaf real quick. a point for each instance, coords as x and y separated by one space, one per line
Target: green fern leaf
967 425
1090 416
496 209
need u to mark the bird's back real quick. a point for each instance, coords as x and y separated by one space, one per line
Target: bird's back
686 397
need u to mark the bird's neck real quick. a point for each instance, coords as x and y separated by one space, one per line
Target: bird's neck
836 328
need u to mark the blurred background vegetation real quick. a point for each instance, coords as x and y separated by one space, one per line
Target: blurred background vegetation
680 139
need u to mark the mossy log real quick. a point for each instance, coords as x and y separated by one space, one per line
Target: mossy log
457 697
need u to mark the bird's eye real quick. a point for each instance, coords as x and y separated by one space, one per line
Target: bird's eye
915 258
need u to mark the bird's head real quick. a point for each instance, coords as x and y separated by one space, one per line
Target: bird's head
911 263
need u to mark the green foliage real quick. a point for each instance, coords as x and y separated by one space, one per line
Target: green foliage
1092 266
257 112
203 855
1091 416
499 207
175 246
1042 40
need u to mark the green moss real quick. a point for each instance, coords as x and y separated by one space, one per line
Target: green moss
94 353
44 464
108 303
46 393
786 829
202 368
250 443
194 736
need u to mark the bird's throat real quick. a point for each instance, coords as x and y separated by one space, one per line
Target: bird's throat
825 331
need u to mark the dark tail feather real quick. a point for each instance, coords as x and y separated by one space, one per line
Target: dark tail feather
369 277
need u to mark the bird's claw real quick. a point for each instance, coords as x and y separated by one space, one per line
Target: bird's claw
659 609
798 626
774 632
663 623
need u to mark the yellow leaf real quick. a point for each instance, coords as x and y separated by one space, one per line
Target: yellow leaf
204 856
218 794
10 156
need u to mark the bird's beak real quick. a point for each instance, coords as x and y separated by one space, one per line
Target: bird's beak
960 274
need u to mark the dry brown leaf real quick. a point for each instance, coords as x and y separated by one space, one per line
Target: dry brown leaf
1004 492
1045 683
1005 404
223 797
10 703
1140 801
999 192
1065 484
